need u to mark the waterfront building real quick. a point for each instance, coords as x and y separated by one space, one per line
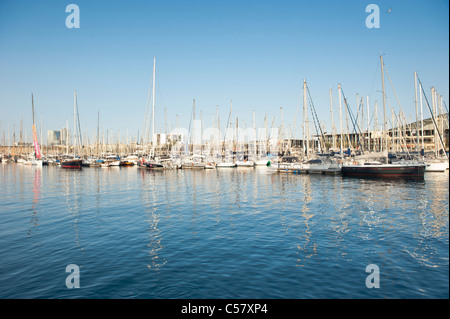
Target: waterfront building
64 136
53 137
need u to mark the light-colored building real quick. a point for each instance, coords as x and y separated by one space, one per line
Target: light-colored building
64 136
53 137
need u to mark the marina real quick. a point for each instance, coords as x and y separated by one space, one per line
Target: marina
206 151
388 157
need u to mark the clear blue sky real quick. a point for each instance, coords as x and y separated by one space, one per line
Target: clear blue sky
255 53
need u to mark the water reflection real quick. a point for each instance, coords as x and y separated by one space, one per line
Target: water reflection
192 187
191 230
340 223
439 209
432 224
149 194
72 180
307 250
36 197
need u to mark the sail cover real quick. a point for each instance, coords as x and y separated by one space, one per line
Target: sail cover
35 143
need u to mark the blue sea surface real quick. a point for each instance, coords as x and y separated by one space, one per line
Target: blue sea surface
228 234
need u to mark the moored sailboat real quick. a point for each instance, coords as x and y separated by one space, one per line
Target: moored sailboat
36 160
225 165
383 168
262 161
290 164
154 165
194 162
322 166
436 165
245 163
378 169
75 162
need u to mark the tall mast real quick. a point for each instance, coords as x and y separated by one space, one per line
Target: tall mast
37 151
32 105
417 111
14 138
266 140
281 150
433 101
193 127
305 119
362 120
42 128
67 137
384 107
254 133
217 144
441 117
21 127
231 126
421 116
238 147
333 137
153 107
165 127
98 131
358 117
74 123
219 140
340 120
375 126
368 125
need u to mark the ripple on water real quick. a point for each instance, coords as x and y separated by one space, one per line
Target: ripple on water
220 234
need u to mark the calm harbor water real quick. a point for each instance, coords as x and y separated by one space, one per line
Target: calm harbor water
230 233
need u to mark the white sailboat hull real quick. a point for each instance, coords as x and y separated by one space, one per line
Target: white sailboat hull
193 165
225 165
317 168
262 162
37 163
245 164
436 166
290 167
